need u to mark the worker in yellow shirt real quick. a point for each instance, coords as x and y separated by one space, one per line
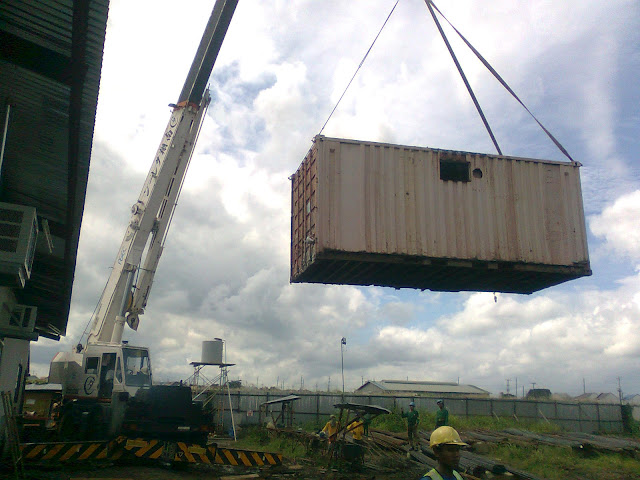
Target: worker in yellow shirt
330 429
356 428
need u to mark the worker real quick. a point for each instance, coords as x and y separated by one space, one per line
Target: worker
357 430
442 414
446 445
366 422
330 429
413 419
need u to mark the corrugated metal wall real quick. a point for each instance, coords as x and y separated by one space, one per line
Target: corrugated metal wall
316 407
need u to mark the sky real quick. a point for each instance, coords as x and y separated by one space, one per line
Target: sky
282 68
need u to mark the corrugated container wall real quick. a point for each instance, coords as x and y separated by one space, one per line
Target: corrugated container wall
367 213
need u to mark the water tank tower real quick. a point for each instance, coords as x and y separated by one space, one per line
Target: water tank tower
212 352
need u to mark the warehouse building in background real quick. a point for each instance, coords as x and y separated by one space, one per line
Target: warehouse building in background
436 389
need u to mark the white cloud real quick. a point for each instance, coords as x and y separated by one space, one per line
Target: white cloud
619 224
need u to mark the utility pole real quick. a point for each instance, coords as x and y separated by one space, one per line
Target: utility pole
620 390
584 386
343 342
329 384
516 387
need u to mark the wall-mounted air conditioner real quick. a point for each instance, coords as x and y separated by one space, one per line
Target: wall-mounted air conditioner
18 235
18 321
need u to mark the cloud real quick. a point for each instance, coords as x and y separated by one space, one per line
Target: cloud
619 225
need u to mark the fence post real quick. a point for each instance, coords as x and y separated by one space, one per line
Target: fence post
317 408
580 417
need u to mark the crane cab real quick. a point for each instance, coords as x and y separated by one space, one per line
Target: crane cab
109 369
101 370
97 383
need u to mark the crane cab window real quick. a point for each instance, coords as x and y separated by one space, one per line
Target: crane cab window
91 365
137 369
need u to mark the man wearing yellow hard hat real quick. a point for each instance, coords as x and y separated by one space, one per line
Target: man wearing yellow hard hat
446 445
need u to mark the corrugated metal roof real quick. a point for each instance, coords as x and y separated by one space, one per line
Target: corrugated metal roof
50 66
426 387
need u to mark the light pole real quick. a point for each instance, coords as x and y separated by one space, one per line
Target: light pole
343 342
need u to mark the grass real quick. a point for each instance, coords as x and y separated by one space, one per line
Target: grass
552 463
259 438
556 463
500 423
395 423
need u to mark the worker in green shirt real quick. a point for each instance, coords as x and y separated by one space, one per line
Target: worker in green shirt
442 415
413 419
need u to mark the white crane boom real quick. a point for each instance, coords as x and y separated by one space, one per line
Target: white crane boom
125 295
150 217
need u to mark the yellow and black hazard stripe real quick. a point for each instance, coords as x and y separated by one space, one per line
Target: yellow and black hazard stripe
124 447
194 453
167 450
69 451
247 458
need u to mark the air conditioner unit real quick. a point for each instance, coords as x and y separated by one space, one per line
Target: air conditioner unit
18 322
18 235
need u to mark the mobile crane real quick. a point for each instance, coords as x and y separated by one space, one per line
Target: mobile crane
102 379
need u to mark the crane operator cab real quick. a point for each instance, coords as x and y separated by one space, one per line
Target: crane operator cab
110 369
98 382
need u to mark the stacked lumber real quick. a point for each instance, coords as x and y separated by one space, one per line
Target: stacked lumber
604 443
388 440
488 437
585 443
554 440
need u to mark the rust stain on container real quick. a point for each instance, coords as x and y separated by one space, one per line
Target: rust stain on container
365 213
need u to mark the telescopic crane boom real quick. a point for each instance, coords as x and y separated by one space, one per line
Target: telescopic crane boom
127 291
99 378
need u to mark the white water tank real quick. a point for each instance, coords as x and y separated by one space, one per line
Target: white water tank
212 352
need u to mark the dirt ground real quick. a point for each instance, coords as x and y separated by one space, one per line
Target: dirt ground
406 471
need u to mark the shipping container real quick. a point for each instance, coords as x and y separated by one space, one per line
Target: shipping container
365 213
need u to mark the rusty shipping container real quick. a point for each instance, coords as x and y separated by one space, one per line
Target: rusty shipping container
365 213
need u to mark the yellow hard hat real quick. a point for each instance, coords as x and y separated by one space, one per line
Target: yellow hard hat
445 436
